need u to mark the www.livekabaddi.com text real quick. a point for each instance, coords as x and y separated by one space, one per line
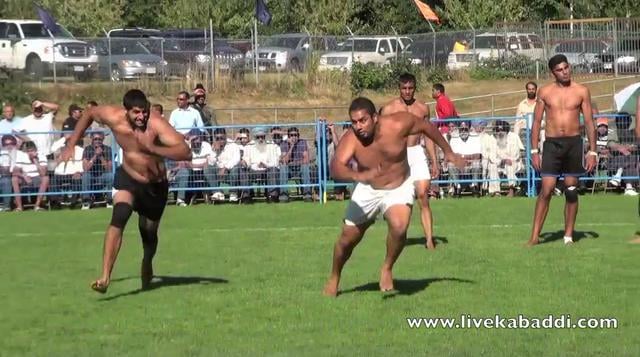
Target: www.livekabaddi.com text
467 321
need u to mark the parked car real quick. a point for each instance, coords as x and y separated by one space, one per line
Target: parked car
289 51
584 55
120 59
625 55
378 50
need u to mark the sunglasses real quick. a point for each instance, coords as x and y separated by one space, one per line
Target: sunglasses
260 137
220 138
295 135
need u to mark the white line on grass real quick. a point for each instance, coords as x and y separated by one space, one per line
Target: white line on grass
322 228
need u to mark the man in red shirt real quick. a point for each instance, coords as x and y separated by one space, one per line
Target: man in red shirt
444 107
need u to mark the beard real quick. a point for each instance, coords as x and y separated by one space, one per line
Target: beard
531 95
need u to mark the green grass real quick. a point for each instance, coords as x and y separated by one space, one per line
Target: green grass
246 280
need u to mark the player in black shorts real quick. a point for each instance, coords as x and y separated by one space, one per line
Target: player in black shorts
140 183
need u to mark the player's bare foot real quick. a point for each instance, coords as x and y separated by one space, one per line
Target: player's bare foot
636 240
146 274
100 286
386 280
533 242
331 288
430 244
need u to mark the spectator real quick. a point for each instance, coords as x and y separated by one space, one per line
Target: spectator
29 172
38 127
444 108
200 104
487 141
504 158
8 154
470 149
526 107
157 109
98 169
69 124
264 160
615 157
243 140
9 120
189 172
184 118
294 162
223 164
69 172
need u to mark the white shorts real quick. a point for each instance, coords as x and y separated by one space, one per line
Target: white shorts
367 202
418 163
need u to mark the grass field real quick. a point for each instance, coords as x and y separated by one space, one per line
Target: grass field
247 280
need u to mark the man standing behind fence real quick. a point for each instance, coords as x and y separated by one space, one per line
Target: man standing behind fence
415 152
562 102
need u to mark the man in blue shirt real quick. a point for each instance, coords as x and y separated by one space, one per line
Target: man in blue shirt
294 162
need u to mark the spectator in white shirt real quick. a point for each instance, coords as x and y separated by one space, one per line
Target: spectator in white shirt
526 107
471 150
69 172
29 172
184 118
38 127
9 120
263 160
224 164
189 172
504 158
8 154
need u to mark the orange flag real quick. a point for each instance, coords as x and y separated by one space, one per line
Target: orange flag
426 11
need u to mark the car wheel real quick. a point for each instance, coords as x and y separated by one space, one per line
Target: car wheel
116 74
33 68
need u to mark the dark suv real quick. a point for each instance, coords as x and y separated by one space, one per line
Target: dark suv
625 54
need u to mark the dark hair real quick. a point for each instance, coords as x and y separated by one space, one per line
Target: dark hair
556 60
199 86
293 129
135 98
218 131
29 145
274 128
7 138
185 93
93 102
407 78
439 87
244 131
362 103
506 127
531 83
158 107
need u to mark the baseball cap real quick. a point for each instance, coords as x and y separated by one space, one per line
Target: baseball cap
602 121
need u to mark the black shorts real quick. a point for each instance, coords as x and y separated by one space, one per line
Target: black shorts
563 156
149 199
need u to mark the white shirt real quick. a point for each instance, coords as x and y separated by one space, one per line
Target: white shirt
202 157
44 124
268 154
183 120
72 166
26 165
7 127
8 158
470 147
228 158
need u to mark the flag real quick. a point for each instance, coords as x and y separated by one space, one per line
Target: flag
262 13
426 11
48 21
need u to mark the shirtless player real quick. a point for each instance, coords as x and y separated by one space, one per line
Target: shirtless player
562 102
415 152
140 184
379 146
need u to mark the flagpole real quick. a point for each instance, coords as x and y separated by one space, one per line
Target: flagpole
255 38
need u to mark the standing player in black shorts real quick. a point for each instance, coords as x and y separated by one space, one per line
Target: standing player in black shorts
562 154
140 184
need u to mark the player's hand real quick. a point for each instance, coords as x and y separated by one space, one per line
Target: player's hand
592 161
456 159
435 170
535 161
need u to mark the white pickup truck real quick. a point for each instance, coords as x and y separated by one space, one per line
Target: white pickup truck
26 46
378 50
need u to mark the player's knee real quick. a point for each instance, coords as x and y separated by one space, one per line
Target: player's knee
121 213
571 194
398 227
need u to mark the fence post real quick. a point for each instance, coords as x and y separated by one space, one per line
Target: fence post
276 115
537 69
615 48
531 182
493 105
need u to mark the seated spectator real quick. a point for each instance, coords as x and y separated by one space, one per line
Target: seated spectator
264 160
615 157
194 170
29 172
294 162
224 165
243 140
504 158
8 154
471 150
69 172
97 162
157 109
487 141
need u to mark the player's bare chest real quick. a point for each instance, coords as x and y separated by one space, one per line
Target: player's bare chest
563 100
380 150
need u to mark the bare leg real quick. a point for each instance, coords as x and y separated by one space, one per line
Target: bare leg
397 217
112 243
570 209
542 208
15 183
149 234
425 213
349 238
44 185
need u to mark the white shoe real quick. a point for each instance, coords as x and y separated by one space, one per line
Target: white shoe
85 206
615 181
568 240
109 205
181 203
233 197
218 196
630 192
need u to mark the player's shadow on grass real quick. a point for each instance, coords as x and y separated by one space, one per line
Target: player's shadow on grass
422 241
164 281
549 237
404 286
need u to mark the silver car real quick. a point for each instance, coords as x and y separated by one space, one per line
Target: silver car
120 59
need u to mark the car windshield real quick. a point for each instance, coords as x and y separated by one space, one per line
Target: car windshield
128 48
38 31
288 42
360 45
486 42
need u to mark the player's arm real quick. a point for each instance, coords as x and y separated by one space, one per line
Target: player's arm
173 146
340 169
589 125
89 116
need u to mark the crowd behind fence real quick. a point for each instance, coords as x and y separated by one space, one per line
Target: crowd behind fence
279 163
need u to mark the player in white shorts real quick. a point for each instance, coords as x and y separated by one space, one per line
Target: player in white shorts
379 145
416 152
